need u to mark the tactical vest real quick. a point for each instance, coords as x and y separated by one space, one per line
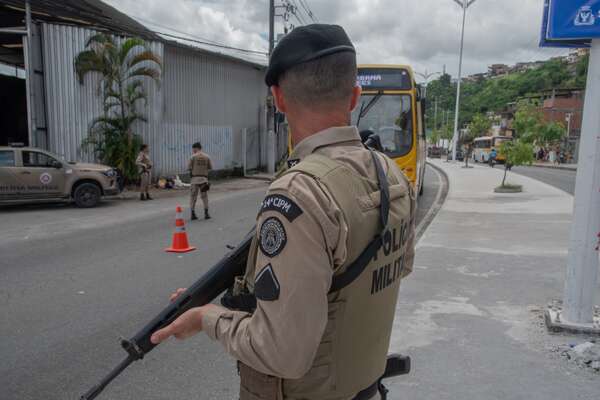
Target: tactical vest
199 165
352 354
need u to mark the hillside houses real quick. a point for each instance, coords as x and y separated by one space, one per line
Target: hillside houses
500 70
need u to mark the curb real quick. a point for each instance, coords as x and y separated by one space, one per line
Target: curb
259 178
437 203
554 167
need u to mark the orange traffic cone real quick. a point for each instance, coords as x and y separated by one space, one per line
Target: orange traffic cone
180 240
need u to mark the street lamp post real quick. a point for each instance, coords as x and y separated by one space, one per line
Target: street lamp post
426 77
464 4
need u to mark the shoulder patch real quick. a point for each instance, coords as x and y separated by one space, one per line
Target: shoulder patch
283 204
266 285
292 163
272 237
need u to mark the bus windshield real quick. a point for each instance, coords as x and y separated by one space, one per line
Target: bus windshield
390 117
499 140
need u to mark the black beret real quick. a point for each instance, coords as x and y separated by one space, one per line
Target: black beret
306 43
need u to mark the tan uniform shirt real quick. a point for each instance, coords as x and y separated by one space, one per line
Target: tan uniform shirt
199 165
282 336
143 162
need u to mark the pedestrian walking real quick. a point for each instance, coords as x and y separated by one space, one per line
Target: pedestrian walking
492 157
198 167
144 165
312 317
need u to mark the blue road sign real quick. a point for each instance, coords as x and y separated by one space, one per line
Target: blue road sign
573 19
547 41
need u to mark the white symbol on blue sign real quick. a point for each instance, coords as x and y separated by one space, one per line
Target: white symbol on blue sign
585 17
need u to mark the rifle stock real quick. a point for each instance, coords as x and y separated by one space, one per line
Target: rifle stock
218 279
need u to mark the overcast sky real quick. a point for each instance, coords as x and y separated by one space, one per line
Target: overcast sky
422 33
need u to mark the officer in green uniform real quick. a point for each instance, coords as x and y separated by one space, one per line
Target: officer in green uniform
312 317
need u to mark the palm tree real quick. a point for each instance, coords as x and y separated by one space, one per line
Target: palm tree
122 69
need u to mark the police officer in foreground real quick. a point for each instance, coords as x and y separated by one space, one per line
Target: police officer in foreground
199 166
313 315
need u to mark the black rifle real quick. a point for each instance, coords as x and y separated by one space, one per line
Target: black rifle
218 279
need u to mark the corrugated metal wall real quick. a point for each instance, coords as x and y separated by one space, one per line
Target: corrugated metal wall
205 94
202 97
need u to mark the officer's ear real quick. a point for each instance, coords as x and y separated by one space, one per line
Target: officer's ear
356 92
278 97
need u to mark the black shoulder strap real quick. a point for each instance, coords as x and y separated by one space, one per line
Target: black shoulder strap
357 267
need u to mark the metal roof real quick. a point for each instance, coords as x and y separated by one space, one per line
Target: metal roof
93 14
90 13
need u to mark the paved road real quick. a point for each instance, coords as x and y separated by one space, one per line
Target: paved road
72 281
559 178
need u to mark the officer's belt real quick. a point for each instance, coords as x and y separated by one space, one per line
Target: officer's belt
199 176
357 267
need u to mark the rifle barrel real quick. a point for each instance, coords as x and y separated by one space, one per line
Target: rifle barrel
97 389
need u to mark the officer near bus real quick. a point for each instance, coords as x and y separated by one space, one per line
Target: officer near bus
312 317
199 166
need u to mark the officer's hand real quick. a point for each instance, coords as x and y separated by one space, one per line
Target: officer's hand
176 294
188 324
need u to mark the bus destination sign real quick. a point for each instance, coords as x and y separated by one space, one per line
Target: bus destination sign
384 79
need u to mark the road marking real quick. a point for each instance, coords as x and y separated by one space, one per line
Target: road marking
435 206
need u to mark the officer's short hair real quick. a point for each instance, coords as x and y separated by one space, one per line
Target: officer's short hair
143 147
197 145
326 80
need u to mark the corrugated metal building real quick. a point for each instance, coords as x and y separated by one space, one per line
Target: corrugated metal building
203 96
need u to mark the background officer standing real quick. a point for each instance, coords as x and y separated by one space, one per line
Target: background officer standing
144 165
334 237
199 166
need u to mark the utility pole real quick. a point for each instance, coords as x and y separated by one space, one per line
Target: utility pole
447 120
29 83
464 4
582 260
435 108
270 100
271 26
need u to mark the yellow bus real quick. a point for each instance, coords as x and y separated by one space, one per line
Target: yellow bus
483 145
392 107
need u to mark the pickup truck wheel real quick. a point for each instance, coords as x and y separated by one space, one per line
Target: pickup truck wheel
87 195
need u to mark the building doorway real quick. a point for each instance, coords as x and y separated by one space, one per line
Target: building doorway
13 111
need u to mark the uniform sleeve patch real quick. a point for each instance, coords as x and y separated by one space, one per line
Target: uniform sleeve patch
293 163
272 237
266 285
282 204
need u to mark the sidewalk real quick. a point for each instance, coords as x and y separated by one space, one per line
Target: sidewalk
216 186
471 314
569 167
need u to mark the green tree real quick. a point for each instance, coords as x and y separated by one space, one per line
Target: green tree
582 71
528 121
517 152
531 127
552 132
122 67
434 138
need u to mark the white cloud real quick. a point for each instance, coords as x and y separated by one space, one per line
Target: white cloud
422 33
